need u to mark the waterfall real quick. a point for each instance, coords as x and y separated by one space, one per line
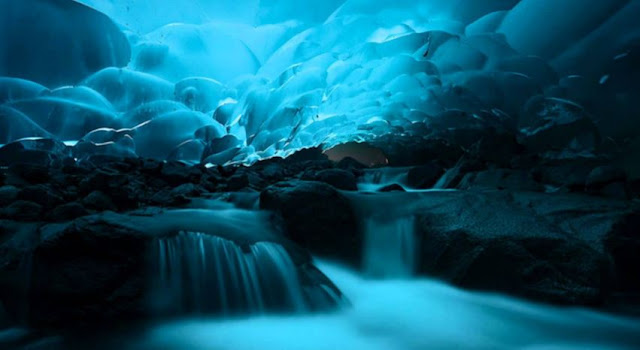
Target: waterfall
202 273
390 247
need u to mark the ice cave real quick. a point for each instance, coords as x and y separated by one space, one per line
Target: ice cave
319 174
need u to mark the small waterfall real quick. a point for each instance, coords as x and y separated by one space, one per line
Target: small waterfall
390 247
201 273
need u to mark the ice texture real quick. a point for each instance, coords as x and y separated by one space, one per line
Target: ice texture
237 81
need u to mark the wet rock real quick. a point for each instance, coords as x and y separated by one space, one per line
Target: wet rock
68 211
521 180
94 271
410 151
552 248
424 176
349 163
97 200
316 216
604 175
8 194
175 173
41 194
555 124
623 243
392 188
338 178
23 173
22 210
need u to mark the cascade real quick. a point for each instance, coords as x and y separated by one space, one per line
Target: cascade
202 273
390 247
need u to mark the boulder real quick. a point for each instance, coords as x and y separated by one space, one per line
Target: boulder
96 270
557 248
338 178
316 216
424 176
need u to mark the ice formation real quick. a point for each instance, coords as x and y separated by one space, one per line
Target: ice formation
237 81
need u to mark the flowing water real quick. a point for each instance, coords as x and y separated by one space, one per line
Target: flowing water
202 273
402 314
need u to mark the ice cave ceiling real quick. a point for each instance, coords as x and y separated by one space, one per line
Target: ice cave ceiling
223 81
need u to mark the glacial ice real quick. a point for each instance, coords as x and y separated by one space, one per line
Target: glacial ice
272 78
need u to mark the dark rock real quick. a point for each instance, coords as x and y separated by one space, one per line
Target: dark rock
604 175
151 166
554 124
349 163
68 211
7 195
411 151
97 200
23 173
338 178
521 244
571 173
175 173
316 216
186 190
94 271
245 179
22 210
167 198
615 190
497 148
424 176
392 188
623 243
520 180
41 194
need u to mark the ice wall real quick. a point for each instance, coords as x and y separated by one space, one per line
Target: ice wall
223 81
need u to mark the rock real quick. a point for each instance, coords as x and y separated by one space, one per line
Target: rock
604 175
424 176
94 271
623 244
186 190
349 163
520 180
411 151
97 200
175 173
22 210
23 173
243 180
338 178
555 124
392 188
166 198
68 211
7 195
41 194
551 248
316 216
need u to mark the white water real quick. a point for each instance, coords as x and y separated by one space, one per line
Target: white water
390 247
399 315
201 273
